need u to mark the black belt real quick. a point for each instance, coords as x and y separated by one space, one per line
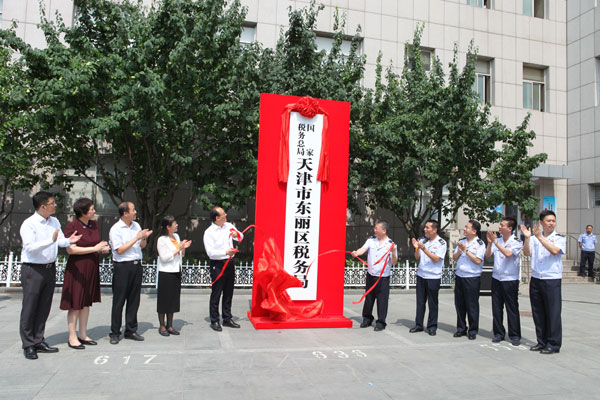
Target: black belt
51 265
128 262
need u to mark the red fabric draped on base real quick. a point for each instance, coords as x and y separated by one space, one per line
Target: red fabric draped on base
307 107
272 281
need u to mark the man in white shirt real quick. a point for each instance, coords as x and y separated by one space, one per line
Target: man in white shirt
376 247
506 251
218 242
546 248
468 255
587 244
127 239
430 252
41 237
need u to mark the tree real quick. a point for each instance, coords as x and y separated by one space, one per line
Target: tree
151 99
296 67
23 164
429 148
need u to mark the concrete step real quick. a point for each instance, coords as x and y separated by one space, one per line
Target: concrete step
570 276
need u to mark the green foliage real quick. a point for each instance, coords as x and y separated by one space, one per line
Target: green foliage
147 103
152 99
23 164
296 68
428 146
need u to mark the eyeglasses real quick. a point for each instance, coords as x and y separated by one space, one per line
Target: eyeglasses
50 204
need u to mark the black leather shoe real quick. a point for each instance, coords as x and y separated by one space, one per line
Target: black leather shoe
30 353
88 342
80 346
379 328
163 333
497 339
472 336
44 348
135 336
549 351
366 324
172 331
231 324
432 332
460 334
515 342
415 329
114 340
537 347
216 326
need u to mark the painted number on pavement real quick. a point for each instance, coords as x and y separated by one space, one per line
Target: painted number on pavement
101 360
339 354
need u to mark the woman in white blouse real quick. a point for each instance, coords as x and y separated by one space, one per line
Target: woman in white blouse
170 252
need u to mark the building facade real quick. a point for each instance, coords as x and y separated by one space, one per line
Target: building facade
534 56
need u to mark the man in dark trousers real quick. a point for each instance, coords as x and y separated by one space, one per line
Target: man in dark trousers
545 247
430 252
41 237
377 247
468 255
218 242
127 239
506 251
587 244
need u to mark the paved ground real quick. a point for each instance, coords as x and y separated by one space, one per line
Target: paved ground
305 364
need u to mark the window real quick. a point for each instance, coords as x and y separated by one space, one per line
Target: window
427 55
597 81
483 79
326 41
534 96
480 3
597 196
248 33
534 8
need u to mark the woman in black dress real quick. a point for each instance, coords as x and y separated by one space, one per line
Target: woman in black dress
170 251
81 285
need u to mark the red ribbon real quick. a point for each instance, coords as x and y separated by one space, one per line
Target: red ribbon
388 252
378 279
232 230
307 107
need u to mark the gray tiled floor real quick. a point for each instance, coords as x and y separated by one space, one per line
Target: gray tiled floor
305 364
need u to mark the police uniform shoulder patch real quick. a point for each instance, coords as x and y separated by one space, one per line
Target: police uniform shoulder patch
560 235
442 241
424 239
479 241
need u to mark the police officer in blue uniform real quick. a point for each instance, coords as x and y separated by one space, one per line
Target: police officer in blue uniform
376 247
468 255
587 244
430 251
506 251
546 248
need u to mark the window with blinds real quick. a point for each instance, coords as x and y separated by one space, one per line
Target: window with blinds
483 80
480 3
534 96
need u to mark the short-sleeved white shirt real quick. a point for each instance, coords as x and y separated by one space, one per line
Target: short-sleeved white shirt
465 267
507 268
427 268
544 265
120 234
375 251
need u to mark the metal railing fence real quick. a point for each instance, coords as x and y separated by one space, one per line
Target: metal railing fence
404 273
